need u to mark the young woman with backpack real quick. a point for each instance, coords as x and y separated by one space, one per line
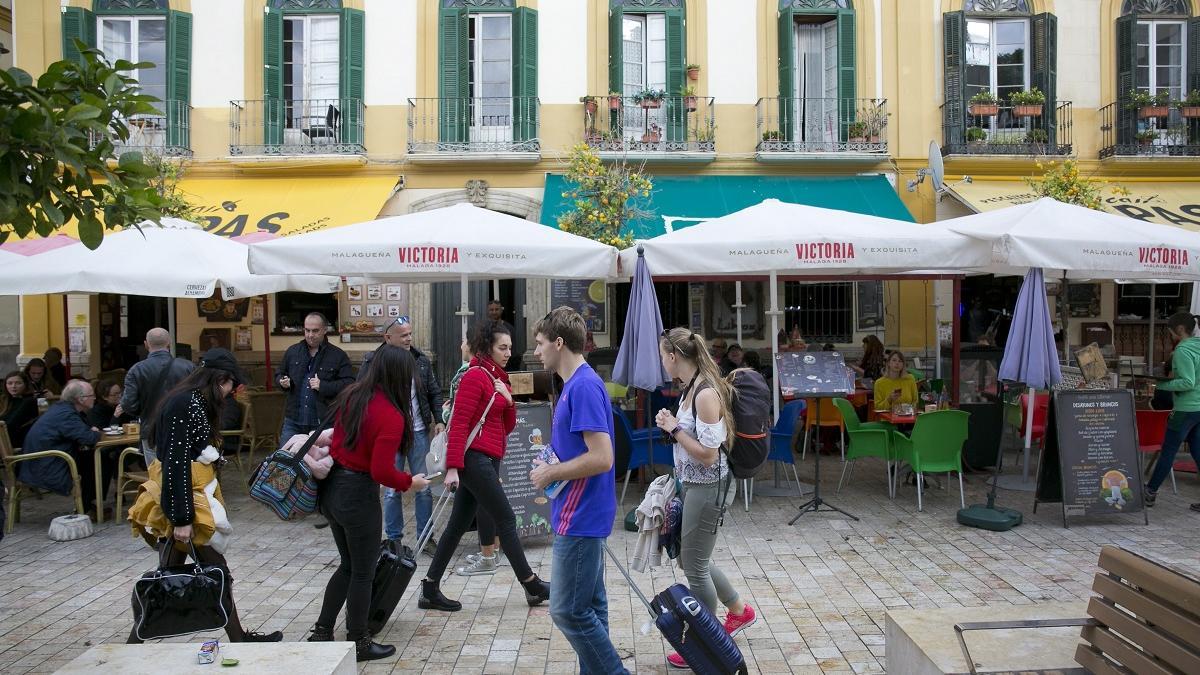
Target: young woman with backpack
702 428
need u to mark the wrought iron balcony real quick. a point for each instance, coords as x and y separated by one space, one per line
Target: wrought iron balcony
166 133
1006 129
1129 130
474 128
651 128
798 128
324 126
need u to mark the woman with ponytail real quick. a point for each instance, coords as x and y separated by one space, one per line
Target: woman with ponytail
1184 423
704 426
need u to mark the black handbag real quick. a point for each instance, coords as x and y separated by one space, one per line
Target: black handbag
181 599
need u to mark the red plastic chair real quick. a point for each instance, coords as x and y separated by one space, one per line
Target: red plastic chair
1041 408
1151 429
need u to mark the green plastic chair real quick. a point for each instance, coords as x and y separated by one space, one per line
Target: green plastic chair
918 375
867 439
935 446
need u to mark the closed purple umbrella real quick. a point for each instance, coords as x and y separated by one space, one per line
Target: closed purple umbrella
1030 356
638 364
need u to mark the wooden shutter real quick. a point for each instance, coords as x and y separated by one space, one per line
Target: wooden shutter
77 24
847 48
1193 55
787 74
677 115
179 78
1044 68
616 50
350 76
454 106
1126 79
273 104
525 74
954 53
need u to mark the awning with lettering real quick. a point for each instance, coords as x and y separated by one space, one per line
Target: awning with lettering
1166 203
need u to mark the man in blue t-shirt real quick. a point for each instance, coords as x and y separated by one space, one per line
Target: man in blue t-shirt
583 511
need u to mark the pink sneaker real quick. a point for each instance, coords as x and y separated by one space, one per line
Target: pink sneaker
677 661
734 623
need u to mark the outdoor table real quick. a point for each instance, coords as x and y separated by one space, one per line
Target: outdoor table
110 441
899 420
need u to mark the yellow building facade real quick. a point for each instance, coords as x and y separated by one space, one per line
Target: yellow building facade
292 115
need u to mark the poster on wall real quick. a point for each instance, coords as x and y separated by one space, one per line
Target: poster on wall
258 315
587 297
241 340
76 340
722 313
214 309
869 305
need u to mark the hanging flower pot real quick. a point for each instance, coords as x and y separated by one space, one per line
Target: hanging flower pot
689 102
693 72
651 103
1189 111
1149 111
590 107
614 102
984 109
1027 110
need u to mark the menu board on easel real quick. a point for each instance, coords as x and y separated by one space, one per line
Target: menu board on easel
1091 463
526 441
805 374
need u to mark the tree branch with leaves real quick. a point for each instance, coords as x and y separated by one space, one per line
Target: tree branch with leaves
1064 183
604 196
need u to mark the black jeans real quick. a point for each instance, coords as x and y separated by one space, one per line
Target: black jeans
479 490
350 501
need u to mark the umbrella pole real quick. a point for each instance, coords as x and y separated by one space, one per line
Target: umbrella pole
1065 317
1150 347
774 312
171 323
66 338
267 339
1028 433
462 304
737 306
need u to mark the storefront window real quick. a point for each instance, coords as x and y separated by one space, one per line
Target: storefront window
291 308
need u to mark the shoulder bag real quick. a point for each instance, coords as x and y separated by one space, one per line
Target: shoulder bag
284 483
180 599
435 460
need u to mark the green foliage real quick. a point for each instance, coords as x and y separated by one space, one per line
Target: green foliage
649 95
975 134
56 141
1063 182
1034 96
1141 99
984 97
165 183
1192 99
604 197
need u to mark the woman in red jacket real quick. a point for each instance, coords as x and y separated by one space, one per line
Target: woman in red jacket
473 460
373 425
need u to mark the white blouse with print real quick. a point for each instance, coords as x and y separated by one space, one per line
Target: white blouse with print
687 468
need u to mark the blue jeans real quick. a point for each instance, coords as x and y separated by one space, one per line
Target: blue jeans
393 501
291 428
1182 426
579 605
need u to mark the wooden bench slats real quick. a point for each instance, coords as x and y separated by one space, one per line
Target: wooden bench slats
1180 625
1151 577
1151 641
1089 657
1121 651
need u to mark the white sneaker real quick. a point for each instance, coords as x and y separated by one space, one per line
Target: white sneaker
480 566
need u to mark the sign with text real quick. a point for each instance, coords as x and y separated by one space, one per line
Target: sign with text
527 439
803 374
1090 462
588 297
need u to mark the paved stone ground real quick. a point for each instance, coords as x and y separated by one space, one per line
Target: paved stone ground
821 588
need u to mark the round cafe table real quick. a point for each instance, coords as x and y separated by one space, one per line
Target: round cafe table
110 441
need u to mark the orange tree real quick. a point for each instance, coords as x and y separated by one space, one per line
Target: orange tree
604 197
1063 182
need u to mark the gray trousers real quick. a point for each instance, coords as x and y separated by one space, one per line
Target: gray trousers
700 514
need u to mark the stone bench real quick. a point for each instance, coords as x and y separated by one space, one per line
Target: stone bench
273 658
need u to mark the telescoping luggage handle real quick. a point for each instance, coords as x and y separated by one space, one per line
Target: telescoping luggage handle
629 580
427 533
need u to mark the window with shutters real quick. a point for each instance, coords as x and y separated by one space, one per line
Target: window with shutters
490 77
137 39
311 61
643 68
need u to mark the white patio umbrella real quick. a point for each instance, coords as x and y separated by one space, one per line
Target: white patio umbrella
460 242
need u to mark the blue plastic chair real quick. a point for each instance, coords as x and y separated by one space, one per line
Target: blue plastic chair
782 435
643 443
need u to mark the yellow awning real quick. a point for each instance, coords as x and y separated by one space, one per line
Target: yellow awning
285 206
1176 203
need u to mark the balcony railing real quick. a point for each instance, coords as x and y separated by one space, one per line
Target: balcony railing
1006 129
674 124
1151 131
166 133
801 125
325 126
483 126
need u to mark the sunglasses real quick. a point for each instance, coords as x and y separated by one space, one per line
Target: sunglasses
399 321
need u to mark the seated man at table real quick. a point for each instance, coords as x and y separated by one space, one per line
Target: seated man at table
897 385
64 427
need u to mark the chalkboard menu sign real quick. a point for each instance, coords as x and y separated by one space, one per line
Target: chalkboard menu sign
527 439
804 374
1091 462
587 297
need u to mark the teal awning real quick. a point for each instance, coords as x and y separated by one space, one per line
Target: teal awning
678 201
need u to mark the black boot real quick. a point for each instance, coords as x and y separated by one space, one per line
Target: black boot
321 634
251 636
366 649
432 598
536 591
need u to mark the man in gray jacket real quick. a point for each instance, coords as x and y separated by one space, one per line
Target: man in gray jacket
427 423
150 378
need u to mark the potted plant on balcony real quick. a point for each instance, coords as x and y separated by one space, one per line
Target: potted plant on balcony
1027 103
652 134
650 98
983 104
976 136
589 104
1147 136
1037 136
706 137
1189 107
857 132
688 93
614 100
1149 105
693 71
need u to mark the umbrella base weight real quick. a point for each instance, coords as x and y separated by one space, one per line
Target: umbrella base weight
996 519
817 504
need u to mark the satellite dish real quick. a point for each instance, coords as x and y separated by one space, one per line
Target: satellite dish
936 168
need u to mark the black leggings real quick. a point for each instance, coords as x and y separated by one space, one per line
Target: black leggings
350 501
206 556
479 490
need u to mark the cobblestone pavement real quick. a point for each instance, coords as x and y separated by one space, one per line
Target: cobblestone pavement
821 588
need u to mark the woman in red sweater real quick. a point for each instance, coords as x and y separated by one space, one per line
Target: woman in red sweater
483 417
373 425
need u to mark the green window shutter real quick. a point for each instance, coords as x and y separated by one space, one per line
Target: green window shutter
1044 68
1126 78
77 24
525 74
350 75
1193 55
454 106
677 116
787 73
616 50
847 46
273 77
954 52
179 78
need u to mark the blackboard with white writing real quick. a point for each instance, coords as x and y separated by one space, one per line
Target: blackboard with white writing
1090 462
813 374
527 439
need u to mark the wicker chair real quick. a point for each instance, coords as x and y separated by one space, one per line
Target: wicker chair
264 419
127 482
18 491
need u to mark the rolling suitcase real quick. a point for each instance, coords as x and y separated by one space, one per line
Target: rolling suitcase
395 570
690 628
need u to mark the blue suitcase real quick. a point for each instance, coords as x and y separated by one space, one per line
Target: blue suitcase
690 628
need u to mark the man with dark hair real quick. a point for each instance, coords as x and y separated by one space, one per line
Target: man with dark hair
150 378
313 373
583 511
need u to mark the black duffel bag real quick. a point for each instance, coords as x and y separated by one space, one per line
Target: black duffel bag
181 599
